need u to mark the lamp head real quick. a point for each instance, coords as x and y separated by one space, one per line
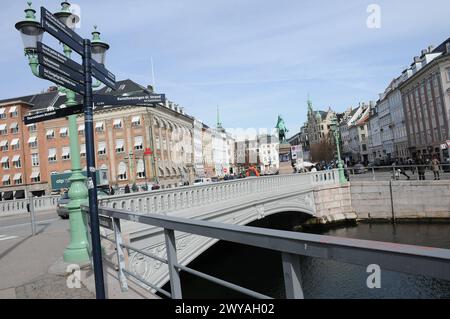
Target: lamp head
99 47
30 30
66 17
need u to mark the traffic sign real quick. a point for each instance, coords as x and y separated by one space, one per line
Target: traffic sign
60 68
63 33
55 114
100 68
148 151
105 80
49 52
140 100
56 78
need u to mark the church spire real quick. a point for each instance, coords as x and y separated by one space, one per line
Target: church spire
310 105
219 124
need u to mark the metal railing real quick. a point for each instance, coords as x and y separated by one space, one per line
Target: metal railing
427 261
18 206
397 172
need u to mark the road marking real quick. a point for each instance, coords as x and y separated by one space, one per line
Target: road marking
28 224
2 237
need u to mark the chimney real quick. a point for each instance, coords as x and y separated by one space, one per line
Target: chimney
416 59
430 48
424 51
52 89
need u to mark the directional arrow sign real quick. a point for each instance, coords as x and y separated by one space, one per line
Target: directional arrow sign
99 76
59 30
55 114
62 59
59 79
60 68
142 100
101 69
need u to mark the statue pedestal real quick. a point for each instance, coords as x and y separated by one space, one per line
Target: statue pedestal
285 159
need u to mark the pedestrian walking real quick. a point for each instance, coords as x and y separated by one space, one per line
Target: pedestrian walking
127 189
111 190
421 168
435 167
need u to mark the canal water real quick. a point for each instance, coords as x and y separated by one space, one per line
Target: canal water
261 270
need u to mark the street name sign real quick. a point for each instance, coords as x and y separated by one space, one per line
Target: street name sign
54 114
149 100
55 77
60 68
63 33
58 57
100 68
105 80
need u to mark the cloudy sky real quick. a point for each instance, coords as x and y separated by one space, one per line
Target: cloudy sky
254 59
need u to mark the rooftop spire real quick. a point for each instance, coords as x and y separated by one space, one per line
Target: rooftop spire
219 124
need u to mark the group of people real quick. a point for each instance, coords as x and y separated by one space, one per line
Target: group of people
420 164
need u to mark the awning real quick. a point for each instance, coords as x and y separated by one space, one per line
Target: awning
35 174
50 132
81 128
102 147
13 126
140 167
13 109
17 176
4 159
5 178
2 127
3 143
32 139
122 169
51 152
119 144
20 194
63 130
136 119
99 125
2 110
117 122
138 141
15 142
65 151
16 158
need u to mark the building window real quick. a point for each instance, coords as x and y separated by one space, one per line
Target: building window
63 132
15 144
32 142
101 148
4 145
50 134
65 153
32 128
138 143
16 162
99 127
18 179
117 124
35 159
120 146
83 150
136 121
5 162
35 177
14 128
6 180
13 111
52 155
2 114
3 129
122 176
81 130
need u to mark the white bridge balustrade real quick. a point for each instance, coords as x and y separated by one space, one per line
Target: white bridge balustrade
19 206
237 202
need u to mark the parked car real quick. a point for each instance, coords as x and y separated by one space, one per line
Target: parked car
200 181
61 208
359 169
446 165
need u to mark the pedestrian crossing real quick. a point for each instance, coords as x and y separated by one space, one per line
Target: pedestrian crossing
6 237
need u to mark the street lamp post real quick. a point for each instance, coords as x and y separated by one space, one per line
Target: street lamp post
335 129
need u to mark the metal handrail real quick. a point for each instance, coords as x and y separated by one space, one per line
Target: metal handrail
418 260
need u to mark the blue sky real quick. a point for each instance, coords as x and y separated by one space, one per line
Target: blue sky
255 59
